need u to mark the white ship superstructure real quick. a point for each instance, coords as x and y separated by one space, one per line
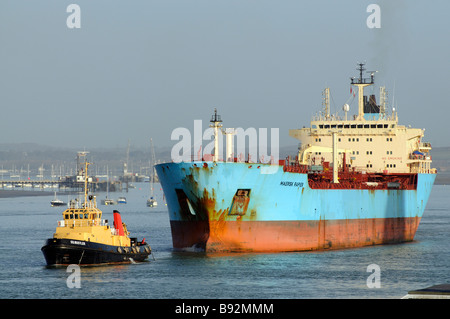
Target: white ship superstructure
372 140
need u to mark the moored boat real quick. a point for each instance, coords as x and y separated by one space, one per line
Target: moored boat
151 202
56 202
108 202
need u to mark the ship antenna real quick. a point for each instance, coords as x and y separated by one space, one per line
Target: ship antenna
215 118
361 69
361 83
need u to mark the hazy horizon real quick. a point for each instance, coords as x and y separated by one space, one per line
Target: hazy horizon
139 70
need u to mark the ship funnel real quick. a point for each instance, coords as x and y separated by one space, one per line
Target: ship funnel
118 223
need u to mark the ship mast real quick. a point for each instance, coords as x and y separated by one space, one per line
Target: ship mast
216 120
361 83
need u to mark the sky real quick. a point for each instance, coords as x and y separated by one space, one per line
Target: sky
139 69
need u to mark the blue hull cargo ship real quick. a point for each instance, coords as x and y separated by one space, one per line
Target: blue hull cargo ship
354 182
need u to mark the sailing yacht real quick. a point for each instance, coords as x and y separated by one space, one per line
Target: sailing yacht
151 202
107 201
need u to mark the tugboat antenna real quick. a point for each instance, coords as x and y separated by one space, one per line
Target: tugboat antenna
86 183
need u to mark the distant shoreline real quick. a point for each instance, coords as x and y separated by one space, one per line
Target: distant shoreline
440 180
22 193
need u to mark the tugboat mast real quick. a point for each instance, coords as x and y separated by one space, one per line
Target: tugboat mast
86 183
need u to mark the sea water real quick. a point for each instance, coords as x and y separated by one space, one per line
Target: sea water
26 222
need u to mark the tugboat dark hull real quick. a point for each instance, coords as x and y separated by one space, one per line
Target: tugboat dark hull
68 251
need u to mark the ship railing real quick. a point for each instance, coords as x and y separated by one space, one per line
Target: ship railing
295 168
424 157
240 159
82 223
425 145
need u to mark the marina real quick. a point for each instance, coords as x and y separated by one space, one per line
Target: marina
68 183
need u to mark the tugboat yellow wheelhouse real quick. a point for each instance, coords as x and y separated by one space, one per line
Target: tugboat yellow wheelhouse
84 238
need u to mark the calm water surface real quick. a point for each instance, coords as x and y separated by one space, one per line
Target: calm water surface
25 223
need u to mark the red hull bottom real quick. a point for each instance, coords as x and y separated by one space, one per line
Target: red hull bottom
278 236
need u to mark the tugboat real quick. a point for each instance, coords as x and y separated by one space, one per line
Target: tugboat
84 238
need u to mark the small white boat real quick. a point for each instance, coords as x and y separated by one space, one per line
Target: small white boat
108 202
151 202
57 202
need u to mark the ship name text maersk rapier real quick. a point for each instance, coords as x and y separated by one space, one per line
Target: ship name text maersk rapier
355 182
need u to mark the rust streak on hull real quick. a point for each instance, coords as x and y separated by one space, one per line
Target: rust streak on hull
278 236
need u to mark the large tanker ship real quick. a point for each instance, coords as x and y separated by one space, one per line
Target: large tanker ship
355 182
